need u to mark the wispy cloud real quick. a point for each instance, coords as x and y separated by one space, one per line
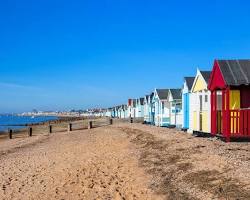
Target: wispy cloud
17 86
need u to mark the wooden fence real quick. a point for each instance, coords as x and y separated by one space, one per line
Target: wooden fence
53 127
239 123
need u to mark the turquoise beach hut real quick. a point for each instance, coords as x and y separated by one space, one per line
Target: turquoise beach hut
186 92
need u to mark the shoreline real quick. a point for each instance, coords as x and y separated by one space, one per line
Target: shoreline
23 127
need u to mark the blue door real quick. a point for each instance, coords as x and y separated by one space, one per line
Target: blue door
186 110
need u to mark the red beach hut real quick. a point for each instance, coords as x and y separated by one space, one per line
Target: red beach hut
230 98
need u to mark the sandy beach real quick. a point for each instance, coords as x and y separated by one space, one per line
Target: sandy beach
123 161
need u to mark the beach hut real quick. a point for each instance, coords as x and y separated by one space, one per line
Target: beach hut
186 90
125 111
200 107
230 98
122 112
119 111
116 111
131 108
134 108
113 112
108 112
150 109
174 107
146 108
130 103
139 108
160 110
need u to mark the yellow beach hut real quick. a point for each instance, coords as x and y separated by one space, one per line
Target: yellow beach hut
200 107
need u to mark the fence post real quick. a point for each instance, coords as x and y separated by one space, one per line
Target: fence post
90 125
10 133
30 131
131 120
50 128
110 121
69 127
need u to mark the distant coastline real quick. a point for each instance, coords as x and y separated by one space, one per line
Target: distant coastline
16 122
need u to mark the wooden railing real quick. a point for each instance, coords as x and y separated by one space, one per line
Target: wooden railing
239 122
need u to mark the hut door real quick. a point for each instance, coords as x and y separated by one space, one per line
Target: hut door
219 112
200 113
186 111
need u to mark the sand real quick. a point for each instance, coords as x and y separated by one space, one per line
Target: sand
123 161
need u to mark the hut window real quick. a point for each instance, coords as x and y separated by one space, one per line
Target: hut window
245 96
178 105
206 98
219 100
200 98
162 107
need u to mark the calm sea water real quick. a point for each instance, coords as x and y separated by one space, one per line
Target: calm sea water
21 120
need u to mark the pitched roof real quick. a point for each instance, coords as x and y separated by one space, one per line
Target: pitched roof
176 93
206 75
124 106
151 95
134 102
162 93
189 81
235 72
141 101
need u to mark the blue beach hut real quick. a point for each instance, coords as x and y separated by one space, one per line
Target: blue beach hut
186 92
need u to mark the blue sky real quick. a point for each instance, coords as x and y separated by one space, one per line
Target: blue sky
80 54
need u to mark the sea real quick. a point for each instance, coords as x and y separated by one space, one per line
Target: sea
10 121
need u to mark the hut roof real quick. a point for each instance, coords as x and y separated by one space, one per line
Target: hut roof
206 75
151 95
162 93
189 81
134 102
141 101
176 93
235 72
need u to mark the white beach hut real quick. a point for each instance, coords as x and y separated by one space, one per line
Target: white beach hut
160 107
175 105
